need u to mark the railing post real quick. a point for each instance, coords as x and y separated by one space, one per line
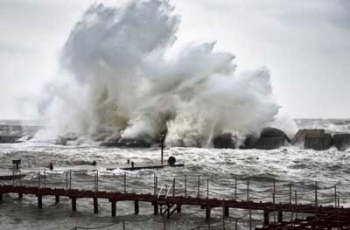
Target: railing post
174 187
154 185
236 224
296 202
290 193
235 189
66 180
207 188
123 224
39 180
274 209
70 179
185 185
223 217
247 190
44 178
13 176
199 184
96 181
250 219
335 196
124 182
20 177
316 200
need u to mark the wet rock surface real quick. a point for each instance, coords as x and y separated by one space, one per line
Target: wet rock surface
341 141
224 141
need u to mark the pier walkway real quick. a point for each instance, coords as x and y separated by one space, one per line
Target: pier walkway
321 205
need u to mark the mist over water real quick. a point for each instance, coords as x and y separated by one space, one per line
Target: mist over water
126 77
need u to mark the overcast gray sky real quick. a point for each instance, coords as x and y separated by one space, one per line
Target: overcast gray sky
304 43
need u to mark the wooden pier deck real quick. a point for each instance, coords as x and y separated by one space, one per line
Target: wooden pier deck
170 199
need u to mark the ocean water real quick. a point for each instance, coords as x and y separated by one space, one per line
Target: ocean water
219 172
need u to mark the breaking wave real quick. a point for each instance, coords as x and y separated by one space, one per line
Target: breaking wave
126 79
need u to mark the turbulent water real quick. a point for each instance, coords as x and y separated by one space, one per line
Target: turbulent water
221 167
127 76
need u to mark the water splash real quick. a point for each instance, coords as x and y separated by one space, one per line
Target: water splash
127 80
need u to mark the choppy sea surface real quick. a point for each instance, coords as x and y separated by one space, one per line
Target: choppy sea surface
222 173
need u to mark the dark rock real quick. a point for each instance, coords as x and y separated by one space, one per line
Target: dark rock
341 141
273 133
269 143
271 138
130 143
9 138
301 134
224 141
63 140
318 142
249 142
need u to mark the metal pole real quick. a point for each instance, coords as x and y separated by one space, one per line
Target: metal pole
70 179
154 185
124 182
223 217
235 189
66 180
185 185
250 219
290 193
199 184
335 196
207 188
123 224
296 203
162 151
316 201
248 191
236 224
274 210
44 178
96 180
13 176
20 177
39 179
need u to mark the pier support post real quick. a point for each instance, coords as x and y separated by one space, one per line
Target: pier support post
266 217
114 208
74 204
155 206
20 195
95 205
226 211
136 207
57 199
40 202
207 213
0 196
280 216
178 208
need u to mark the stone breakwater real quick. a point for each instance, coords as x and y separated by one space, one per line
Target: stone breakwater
269 138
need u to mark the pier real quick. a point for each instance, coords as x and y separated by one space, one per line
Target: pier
320 205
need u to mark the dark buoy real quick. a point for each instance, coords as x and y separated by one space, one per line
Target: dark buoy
132 164
171 161
94 163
